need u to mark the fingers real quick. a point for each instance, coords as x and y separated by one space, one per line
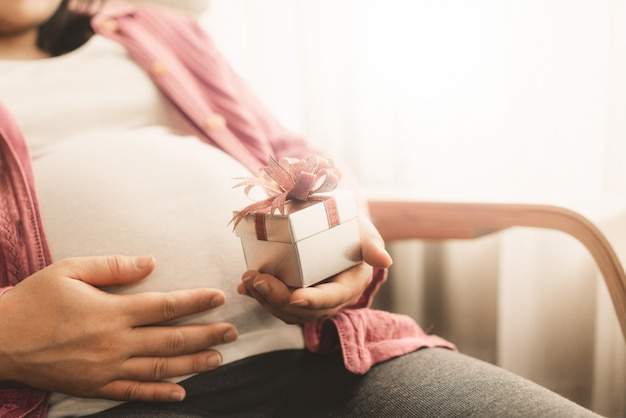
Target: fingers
107 270
152 307
179 340
266 289
157 353
343 290
306 304
143 308
127 390
274 296
165 352
152 369
373 245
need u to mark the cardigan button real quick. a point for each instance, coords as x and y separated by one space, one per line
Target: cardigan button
109 26
215 121
159 68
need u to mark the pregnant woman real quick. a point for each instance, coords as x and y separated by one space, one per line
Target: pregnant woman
123 292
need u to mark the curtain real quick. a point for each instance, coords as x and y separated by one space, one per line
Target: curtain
503 100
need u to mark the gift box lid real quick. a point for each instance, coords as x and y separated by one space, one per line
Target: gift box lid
302 219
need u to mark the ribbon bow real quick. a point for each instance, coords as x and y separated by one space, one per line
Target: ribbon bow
290 179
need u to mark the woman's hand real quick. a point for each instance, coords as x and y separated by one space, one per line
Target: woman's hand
296 306
60 333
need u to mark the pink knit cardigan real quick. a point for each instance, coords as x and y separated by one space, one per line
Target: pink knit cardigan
219 108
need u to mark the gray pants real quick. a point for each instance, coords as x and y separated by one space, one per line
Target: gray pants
426 383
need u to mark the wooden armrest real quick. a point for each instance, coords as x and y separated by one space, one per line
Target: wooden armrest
398 220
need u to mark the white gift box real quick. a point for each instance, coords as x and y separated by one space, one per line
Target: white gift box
314 240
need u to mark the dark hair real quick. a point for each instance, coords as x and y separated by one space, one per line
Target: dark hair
66 30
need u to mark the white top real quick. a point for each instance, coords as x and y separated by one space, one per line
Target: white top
115 176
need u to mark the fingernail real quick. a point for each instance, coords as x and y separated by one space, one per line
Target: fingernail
262 287
243 290
300 302
214 359
144 261
217 300
229 336
177 396
248 276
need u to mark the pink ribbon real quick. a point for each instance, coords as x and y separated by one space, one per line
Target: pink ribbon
290 179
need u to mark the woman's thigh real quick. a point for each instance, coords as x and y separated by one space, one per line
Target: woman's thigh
426 383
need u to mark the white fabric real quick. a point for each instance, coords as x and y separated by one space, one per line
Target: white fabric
115 177
38 93
485 100
192 6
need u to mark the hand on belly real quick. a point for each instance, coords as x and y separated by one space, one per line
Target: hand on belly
90 343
